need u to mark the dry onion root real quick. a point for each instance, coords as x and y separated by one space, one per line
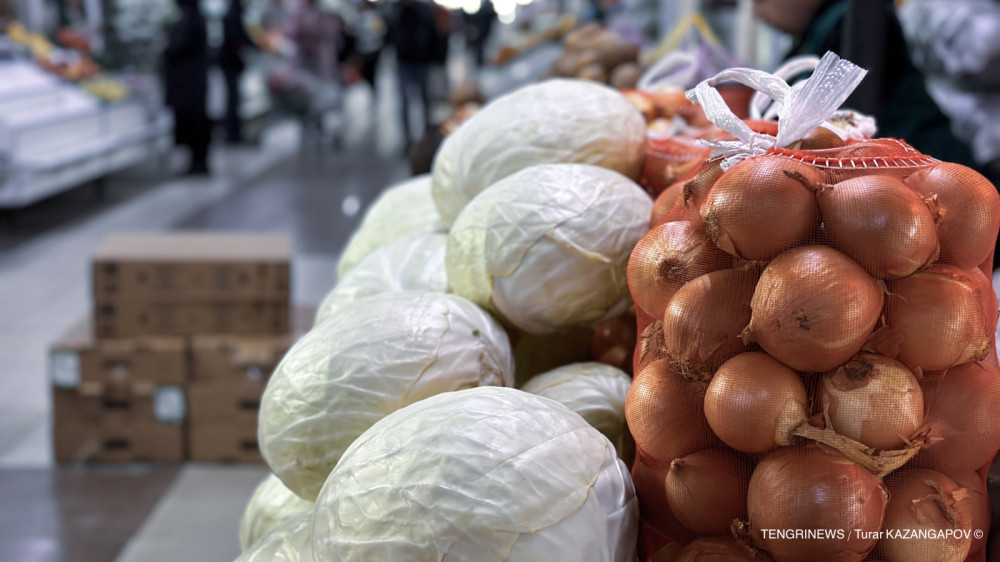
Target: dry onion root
812 488
719 549
755 404
968 206
874 400
922 499
760 207
666 258
814 308
938 318
880 223
703 321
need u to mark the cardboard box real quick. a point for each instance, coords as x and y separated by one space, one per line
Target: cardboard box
185 266
119 423
81 358
139 318
230 357
236 400
224 442
111 443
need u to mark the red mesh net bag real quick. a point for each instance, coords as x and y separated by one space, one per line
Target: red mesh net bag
816 376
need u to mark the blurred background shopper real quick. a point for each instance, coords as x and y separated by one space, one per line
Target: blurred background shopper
185 79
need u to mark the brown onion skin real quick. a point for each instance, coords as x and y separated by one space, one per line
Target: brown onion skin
814 308
981 508
707 490
812 487
969 209
665 413
872 399
696 188
650 490
756 210
704 318
718 549
818 138
880 223
926 499
962 421
938 318
754 402
665 202
667 257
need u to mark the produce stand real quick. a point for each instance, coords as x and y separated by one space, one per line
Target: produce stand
54 135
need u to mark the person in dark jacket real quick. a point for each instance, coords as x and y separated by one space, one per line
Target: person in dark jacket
235 41
185 78
412 32
902 108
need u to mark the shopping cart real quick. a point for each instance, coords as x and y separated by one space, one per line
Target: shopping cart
317 104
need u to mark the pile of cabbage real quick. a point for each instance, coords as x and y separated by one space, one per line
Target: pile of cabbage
410 422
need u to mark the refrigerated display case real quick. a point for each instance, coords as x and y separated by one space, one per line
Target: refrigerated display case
54 135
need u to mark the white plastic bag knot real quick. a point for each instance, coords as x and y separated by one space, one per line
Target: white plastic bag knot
799 109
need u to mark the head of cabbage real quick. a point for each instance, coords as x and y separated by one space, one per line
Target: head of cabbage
478 474
369 359
595 391
547 248
402 209
270 505
557 120
412 263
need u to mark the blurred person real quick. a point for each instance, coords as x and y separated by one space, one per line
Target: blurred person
315 35
235 40
412 32
369 37
185 79
903 109
478 28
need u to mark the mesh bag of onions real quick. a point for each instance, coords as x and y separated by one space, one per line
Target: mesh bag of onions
816 373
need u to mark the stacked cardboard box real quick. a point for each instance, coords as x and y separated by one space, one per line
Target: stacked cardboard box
185 330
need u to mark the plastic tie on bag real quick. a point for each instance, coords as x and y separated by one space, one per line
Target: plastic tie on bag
799 109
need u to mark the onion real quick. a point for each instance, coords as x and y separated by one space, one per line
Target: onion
881 223
718 549
754 403
649 346
665 202
703 320
757 210
923 499
939 317
707 490
969 209
665 413
668 160
874 400
963 421
697 188
666 258
654 510
812 489
817 139
979 505
813 308
613 342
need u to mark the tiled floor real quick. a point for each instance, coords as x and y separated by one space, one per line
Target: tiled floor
190 512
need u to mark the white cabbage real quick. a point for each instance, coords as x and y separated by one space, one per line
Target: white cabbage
402 209
371 358
547 247
594 390
289 542
481 474
271 504
558 120
413 263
